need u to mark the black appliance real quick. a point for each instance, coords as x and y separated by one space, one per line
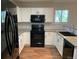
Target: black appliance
10 29
68 50
37 39
37 27
37 32
16 31
37 18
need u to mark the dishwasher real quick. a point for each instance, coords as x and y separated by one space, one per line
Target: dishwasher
68 50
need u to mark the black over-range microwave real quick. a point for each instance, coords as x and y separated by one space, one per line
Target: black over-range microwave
37 18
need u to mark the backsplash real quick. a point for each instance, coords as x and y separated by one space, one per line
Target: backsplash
75 31
71 28
53 26
47 26
24 26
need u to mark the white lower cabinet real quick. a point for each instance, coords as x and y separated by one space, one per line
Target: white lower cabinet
20 43
24 39
50 38
60 44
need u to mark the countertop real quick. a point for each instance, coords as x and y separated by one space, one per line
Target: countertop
71 39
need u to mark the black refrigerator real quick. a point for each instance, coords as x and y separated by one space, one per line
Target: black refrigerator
10 29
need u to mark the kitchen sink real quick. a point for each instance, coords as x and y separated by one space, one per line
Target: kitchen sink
67 34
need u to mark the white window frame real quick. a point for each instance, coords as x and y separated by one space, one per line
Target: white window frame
61 16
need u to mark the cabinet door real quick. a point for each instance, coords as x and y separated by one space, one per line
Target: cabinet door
23 14
59 44
49 13
57 41
26 38
20 43
50 38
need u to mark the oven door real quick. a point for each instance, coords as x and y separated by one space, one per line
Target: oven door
37 39
37 27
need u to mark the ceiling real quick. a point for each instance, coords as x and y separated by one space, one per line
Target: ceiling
30 3
45 0
40 2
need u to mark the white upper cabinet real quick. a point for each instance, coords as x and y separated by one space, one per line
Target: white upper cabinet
25 13
49 14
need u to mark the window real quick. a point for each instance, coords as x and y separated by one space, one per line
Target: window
3 15
61 15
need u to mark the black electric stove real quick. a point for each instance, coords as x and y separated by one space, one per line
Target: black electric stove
37 32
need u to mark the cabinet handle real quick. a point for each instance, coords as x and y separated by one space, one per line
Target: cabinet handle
39 43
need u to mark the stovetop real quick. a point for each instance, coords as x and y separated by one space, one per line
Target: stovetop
67 34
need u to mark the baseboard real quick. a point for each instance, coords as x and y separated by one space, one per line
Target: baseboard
46 46
26 45
49 46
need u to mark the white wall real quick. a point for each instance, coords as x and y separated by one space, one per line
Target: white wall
72 12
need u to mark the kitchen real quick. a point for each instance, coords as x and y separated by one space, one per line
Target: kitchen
52 28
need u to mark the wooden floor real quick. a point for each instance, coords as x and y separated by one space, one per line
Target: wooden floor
36 53
39 53
5 54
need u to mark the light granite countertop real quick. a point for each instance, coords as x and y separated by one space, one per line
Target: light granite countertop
71 39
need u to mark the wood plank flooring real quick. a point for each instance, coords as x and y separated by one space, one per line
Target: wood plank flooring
5 54
36 53
39 53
